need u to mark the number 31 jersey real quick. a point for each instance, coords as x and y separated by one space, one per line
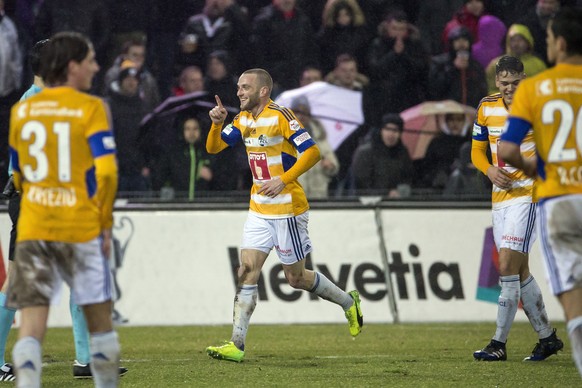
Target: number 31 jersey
55 137
551 103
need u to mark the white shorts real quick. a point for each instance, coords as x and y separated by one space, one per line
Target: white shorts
560 228
41 267
514 227
288 236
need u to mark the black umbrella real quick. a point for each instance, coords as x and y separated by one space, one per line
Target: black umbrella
173 105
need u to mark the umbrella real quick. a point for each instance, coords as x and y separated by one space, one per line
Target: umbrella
424 121
338 109
175 104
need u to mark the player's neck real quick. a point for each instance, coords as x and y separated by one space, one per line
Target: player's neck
572 60
259 109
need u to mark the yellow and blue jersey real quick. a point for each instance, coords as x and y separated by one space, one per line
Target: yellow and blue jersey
63 155
273 142
491 117
551 104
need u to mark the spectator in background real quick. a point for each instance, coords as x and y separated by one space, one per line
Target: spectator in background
455 74
129 20
282 43
381 165
442 151
219 79
346 75
466 181
536 20
468 16
316 180
490 42
168 19
90 18
310 74
185 167
222 25
397 67
10 81
519 44
343 32
127 111
432 17
191 80
134 50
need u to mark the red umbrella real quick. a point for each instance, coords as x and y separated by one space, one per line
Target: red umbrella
422 122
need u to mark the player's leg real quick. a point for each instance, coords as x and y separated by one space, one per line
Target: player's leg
293 245
35 280
105 348
256 245
6 319
510 262
531 295
27 352
80 333
92 288
6 313
560 226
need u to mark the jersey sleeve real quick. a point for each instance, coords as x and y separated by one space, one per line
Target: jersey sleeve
293 130
102 144
520 120
480 130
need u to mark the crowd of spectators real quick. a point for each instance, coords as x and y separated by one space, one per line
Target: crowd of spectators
397 53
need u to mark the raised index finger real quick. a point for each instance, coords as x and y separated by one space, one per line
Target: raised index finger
218 102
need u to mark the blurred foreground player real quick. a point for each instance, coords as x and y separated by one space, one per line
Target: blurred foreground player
551 104
63 156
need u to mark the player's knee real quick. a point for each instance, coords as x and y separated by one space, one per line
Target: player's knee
296 281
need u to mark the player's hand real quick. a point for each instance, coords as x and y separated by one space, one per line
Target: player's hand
499 177
106 243
272 188
218 113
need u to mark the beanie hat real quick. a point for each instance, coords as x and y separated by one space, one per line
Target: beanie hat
128 68
393 118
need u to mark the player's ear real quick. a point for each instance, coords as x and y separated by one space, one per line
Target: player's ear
561 44
263 91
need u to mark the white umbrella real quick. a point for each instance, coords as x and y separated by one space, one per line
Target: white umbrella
339 109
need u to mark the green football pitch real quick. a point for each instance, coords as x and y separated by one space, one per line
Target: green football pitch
383 355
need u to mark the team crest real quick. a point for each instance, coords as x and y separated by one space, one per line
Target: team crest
263 140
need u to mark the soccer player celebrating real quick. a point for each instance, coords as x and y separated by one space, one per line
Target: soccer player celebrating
63 157
551 104
513 220
278 213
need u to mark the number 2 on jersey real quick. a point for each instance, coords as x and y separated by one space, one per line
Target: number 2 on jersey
558 151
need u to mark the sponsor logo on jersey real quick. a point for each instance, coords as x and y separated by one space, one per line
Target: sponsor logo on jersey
301 138
257 156
476 130
109 142
294 125
545 87
228 129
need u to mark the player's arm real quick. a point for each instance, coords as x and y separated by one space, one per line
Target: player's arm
479 145
509 147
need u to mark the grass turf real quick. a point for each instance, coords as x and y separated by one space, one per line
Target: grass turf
384 355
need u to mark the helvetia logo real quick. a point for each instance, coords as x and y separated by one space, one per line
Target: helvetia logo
412 279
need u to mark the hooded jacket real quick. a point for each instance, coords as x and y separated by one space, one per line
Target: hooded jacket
532 64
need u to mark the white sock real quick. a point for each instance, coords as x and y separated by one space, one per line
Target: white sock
325 289
245 302
507 306
27 358
574 327
534 307
105 353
